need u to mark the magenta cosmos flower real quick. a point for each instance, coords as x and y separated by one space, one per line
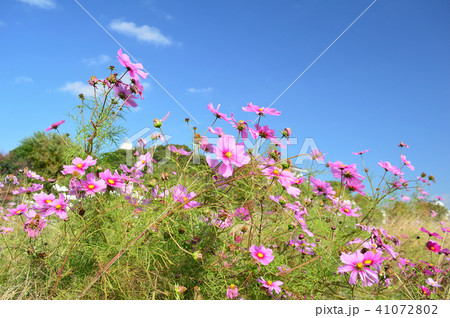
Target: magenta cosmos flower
260 110
91 186
262 254
322 188
231 154
79 166
111 180
34 224
431 234
433 246
134 69
356 264
58 206
21 208
271 286
180 151
55 125
232 291
360 152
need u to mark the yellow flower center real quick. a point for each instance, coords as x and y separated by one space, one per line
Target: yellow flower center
48 201
58 207
143 161
232 286
260 255
269 282
359 266
407 261
19 211
228 154
346 210
111 181
79 165
368 262
432 248
431 264
241 121
91 186
185 199
276 171
261 109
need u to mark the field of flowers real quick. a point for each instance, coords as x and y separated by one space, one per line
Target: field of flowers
218 221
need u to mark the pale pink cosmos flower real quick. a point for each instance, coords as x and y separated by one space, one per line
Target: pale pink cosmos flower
91 185
316 154
322 188
231 154
388 167
354 263
402 144
406 162
180 194
263 132
262 254
79 165
6 230
134 69
232 291
270 285
217 113
180 151
43 199
260 110
405 198
145 161
241 127
55 125
124 93
432 283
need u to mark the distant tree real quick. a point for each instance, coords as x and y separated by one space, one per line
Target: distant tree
43 153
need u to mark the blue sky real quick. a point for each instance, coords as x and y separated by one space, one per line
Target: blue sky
384 81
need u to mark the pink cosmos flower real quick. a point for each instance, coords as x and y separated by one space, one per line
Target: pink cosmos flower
58 206
134 69
260 110
55 125
124 93
356 186
431 234
361 152
92 186
21 208
322 188
262 254
181 151
354 263
241 127
231 154
111 180
79 165
271 286
405 262
388 167
405 198
242 213
180 194
232 291
263 132
406 162
433 246
402 144
217 113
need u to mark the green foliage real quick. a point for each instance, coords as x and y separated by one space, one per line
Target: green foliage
44 153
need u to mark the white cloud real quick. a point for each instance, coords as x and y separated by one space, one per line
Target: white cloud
78 88
143 33
23 79
102 59
44 4
199 90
